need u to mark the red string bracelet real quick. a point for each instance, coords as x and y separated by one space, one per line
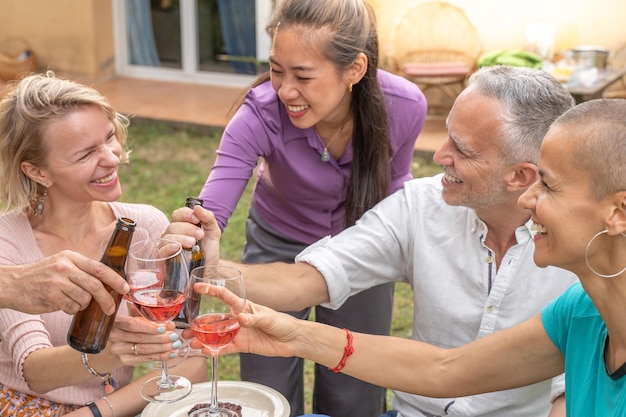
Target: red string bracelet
347 351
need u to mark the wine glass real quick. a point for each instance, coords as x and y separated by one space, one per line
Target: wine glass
213 322
158 278
142 280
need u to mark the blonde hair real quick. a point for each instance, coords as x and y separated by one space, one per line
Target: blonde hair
31 104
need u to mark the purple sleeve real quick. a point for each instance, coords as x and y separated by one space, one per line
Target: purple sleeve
244 141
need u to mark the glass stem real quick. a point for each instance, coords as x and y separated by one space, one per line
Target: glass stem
164 382
214 409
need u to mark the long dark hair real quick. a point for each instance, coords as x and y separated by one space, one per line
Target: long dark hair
350 29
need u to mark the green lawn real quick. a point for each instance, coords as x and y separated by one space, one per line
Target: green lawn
170 163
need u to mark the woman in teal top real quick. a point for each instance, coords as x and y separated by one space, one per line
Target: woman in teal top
578 206
577 329
580 210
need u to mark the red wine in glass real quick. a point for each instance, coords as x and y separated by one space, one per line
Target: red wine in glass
158 277
214 322
146 280
215 330
159 305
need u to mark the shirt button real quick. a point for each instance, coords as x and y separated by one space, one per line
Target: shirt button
490 309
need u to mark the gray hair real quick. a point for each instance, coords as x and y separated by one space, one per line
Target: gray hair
532 100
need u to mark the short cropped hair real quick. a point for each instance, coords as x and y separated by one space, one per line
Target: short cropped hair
599 127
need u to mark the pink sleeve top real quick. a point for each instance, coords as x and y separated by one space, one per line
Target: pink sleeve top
21 334
296 192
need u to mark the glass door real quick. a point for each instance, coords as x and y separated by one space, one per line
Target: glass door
219 42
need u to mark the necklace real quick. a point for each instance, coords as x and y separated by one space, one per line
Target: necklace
325 153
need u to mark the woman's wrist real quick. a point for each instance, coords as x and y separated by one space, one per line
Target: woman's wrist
109 405
320 343
102 407
347 351
94 409
108 382
105 361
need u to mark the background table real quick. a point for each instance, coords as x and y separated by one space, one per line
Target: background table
605 78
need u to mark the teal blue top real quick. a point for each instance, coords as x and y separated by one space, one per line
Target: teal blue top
576 328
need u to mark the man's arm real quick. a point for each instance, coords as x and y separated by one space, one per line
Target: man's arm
282 286
65 281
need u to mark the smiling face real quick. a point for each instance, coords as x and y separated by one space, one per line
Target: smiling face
474 171
565 214
306 82
82 156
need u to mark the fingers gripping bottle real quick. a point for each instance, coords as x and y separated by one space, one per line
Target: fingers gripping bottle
90 328
194 257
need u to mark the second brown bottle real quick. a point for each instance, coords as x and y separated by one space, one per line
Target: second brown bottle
194 257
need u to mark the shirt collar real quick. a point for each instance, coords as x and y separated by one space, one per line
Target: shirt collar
522 234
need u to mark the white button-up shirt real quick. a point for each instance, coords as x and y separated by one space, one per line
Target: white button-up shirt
413 236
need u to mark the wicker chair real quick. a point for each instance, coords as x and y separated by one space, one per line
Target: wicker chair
434 44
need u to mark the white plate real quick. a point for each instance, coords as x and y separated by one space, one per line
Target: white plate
256 400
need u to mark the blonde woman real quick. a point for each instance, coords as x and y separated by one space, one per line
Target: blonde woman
61 144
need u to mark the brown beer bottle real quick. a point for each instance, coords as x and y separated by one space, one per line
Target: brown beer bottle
90 328
194 257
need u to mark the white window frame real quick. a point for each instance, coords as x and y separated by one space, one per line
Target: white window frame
189 48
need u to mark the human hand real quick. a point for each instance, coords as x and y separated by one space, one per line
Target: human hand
64 281
135 340
263 331
199 224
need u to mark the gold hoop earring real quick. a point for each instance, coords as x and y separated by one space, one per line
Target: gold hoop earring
350 87
587 257
40 203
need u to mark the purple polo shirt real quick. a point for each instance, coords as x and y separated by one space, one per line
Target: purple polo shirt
296 192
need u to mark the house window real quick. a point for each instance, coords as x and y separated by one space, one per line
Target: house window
211 41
